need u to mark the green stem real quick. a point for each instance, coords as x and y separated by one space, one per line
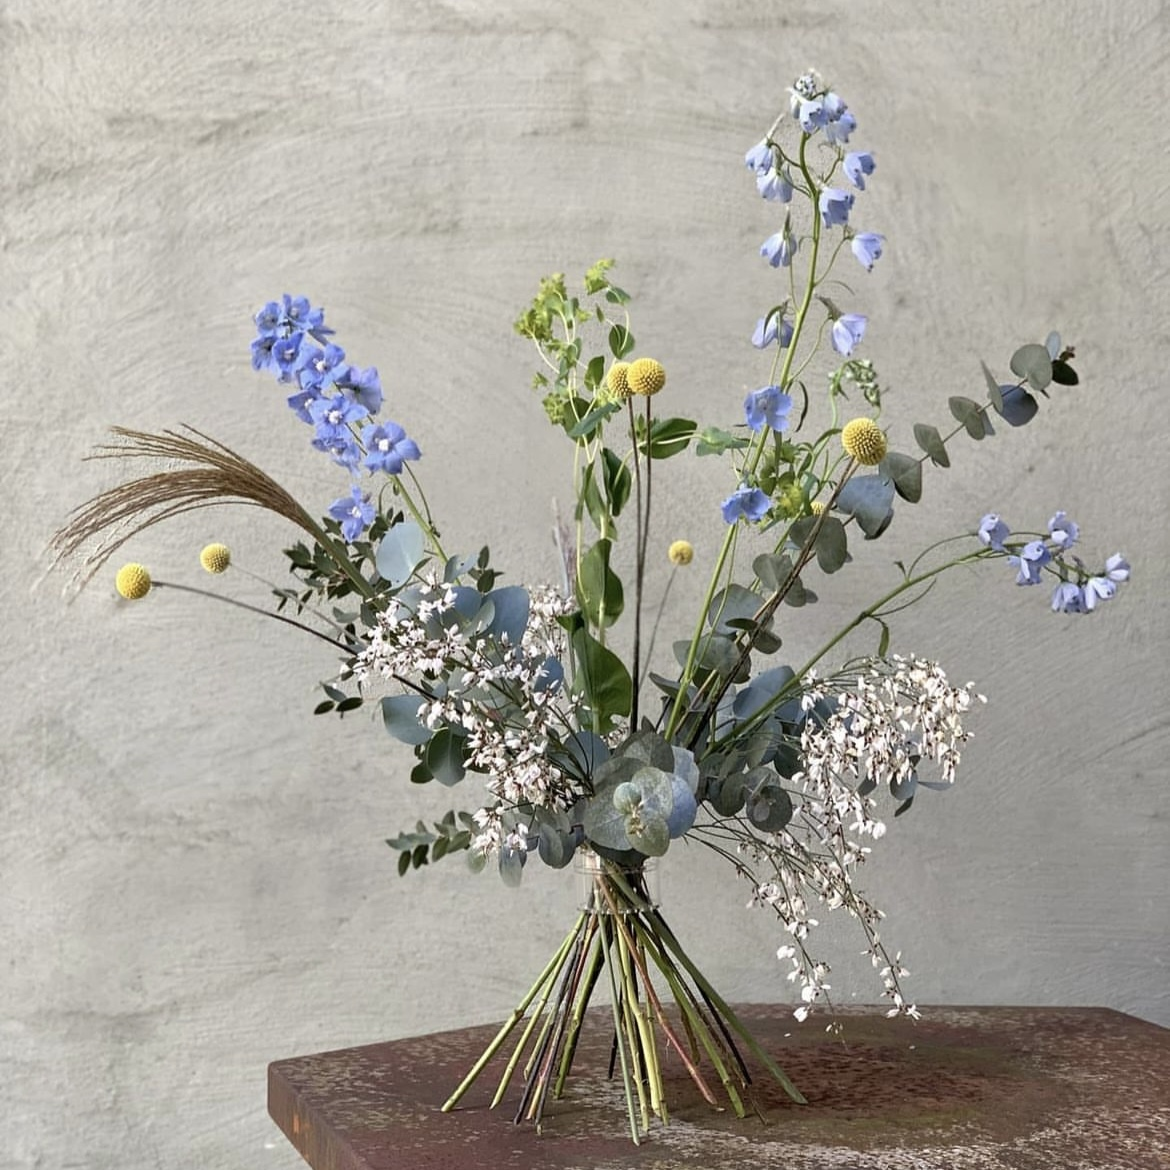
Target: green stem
688 671
554 965
642 543
615 993
279 617
424 522
657 621
581 1002
640 522
631 1016
522 1043
763 615
718 1003
870 612
756 453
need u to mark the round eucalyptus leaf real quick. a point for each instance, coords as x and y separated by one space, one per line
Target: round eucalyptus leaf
904 789
1019 407
928 438
511 865
511 613
1034 363
683 809
728 799
555 847
869 499
627 797
768 805
400 552
654 837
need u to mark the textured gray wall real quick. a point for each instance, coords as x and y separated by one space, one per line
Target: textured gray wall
192 879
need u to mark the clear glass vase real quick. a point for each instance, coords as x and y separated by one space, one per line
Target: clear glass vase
605 887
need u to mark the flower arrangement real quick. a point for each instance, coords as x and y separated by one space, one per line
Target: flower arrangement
575 752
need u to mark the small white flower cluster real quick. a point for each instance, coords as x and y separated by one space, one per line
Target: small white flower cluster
889 718
495 835
814 859
501 698
413 643
900 712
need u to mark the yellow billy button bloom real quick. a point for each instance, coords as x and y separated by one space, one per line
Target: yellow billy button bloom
132 581
818 507
681 552
215 558
616 381
646 376
864 441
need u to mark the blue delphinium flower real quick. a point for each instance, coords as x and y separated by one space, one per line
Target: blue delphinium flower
867 247
1067 598
286 355
747 503
993 531
364 386
268 319
1117 568
298 314
779 249
847 331
769 329
282 327
839 122
1097 589
291 315
812 116
835 204
1104 587
320 368
804 89
774 185
1062 531
262 351
759 158
302 400
332 416
1032 558
387 447
767 406
354 512
342 446
858 164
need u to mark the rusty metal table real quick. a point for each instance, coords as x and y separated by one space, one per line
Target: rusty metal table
962 1089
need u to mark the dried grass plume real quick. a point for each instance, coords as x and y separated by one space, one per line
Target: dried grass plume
209 474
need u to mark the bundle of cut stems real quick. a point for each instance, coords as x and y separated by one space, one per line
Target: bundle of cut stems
621 932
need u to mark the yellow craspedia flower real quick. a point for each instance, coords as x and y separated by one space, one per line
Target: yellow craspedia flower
681 552
646 376
616 380
818 507
215 558
132 581
864 441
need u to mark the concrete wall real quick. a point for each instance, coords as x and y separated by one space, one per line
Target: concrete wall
192 874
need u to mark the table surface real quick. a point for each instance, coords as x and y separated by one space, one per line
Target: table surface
983 1088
